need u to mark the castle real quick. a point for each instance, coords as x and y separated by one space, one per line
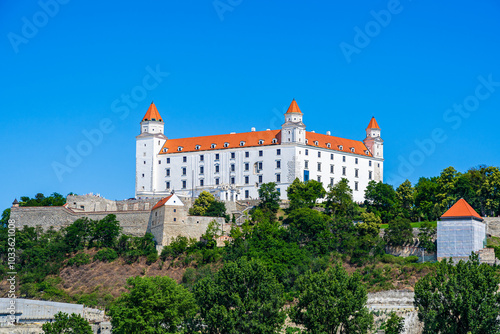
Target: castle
232 166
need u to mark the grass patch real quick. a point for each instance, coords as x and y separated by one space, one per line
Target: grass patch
415 225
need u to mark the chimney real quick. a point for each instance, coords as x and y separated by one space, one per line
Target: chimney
268 129
252 129
328 133
232 133
313 131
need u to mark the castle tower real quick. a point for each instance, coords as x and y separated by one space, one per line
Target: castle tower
148 145
460 232
373 141
293 130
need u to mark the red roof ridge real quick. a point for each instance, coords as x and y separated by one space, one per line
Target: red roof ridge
337 143
294 108
461 209
162 202
152 114
373 124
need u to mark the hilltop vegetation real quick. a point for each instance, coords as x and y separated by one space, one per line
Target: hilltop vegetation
274 259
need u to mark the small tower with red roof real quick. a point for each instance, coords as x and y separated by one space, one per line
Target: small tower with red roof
373 141
460 232
293 130
148 145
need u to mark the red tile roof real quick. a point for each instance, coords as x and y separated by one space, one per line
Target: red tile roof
293 108
152 114
373 124
461 209
161 202
337 144
251 139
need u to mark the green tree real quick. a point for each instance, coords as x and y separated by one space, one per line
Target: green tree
152 305
459 299
269 197
394 325
79 233
405 197
426 202
106 231
5 218
399 232
242 297
201 204
339 201
304 194
64 323
446 182
427 237
40 200
306 225
332 302
380 198
216 209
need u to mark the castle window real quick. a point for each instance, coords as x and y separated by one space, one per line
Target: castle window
356 161
242 143
316 143
278 151
167 185
369 175
319 166
332 168
168 160
201 169
201 182
213 146
168 171
175 210
233 155
261 153
217 181
144 161
226 144
247 194
142 175
341 147
165 150
307 141
184 159
306 164
216 156
232 180
217 168
331 181
344 170
275 140
319 154
233 167
356 173
367 152
260 178
183 184
197 147
278 163
247 166
343 158
175 219
356 187
278 178
261 142
352 149
331 156
159 162
202 158
247 154
319 178
246 179
307 151
183 170
370 163
179 148
328 145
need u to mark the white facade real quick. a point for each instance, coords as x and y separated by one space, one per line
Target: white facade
233 166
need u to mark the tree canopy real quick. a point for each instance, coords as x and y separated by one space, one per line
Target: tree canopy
304 194
64 323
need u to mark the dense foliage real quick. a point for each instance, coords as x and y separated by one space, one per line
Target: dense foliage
459 299
64 323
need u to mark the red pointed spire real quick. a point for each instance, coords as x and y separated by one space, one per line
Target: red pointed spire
152 114
461 209
373 124
294 108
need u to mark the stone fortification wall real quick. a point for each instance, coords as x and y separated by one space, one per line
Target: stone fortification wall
381 304
492 226
133 222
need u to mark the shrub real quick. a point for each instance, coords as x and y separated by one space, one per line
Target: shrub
106 255
152 257
411 259
79 260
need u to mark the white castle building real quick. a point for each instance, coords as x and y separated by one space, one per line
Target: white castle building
232 166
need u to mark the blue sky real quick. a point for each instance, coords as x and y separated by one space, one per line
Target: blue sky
68 66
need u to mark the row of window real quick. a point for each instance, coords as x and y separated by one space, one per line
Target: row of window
226 144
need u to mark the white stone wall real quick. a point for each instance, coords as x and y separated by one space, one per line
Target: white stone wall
459 237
